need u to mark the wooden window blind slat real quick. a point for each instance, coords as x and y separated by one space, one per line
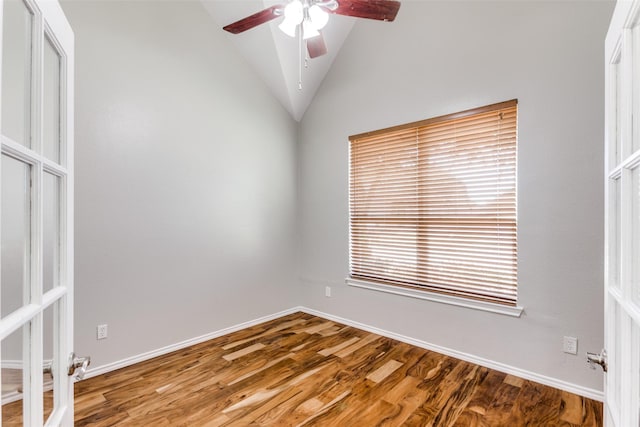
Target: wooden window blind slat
433 204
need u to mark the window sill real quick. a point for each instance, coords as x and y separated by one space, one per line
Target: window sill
441 298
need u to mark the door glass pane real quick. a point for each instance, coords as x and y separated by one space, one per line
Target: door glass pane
12 378
636 90
51 102
51 232
613 377
48 357
617 359
17 23
620 113
635 241
614 233
16 233
614 117
635 369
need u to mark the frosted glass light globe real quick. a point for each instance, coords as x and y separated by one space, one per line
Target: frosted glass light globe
319 17
294 12
288 27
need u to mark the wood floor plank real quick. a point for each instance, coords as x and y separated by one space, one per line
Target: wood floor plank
499 411
302 394
592 413
514 381
377 413
302 370
299 393
264 366
571 409
310 406
337 389
258 396
471 419
341 414
460 397
271 331
317 328
537 401
384 371
447 384
336 348
240 353
401 390
333 330
268 413
324 408
218 421
356 346
485 393
408 397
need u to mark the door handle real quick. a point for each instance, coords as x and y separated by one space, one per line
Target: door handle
78 363
594 359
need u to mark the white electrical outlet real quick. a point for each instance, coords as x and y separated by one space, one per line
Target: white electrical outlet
101 332
327 291
570 345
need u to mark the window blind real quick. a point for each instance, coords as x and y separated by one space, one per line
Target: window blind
433 204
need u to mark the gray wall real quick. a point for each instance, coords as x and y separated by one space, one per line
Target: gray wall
443 57
185 180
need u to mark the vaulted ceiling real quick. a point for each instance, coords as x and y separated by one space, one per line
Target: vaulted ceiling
275 56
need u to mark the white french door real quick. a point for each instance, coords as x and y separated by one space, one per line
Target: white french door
622 216
36 213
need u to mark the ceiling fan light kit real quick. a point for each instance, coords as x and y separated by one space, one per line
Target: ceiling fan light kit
313 18
313 15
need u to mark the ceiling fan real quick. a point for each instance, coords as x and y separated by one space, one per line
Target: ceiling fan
312 15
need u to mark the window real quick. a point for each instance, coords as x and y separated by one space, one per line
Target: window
433 205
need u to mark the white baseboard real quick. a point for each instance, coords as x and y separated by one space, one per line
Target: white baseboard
10 397
508 369
512 370
11 364
18 364
99 370
14 395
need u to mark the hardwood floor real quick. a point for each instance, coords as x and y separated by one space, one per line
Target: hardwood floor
304 370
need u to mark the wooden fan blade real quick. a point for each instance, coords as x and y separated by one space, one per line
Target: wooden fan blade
316 46
254 20
381 10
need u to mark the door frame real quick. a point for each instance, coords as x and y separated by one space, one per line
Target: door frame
48 22
622 216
